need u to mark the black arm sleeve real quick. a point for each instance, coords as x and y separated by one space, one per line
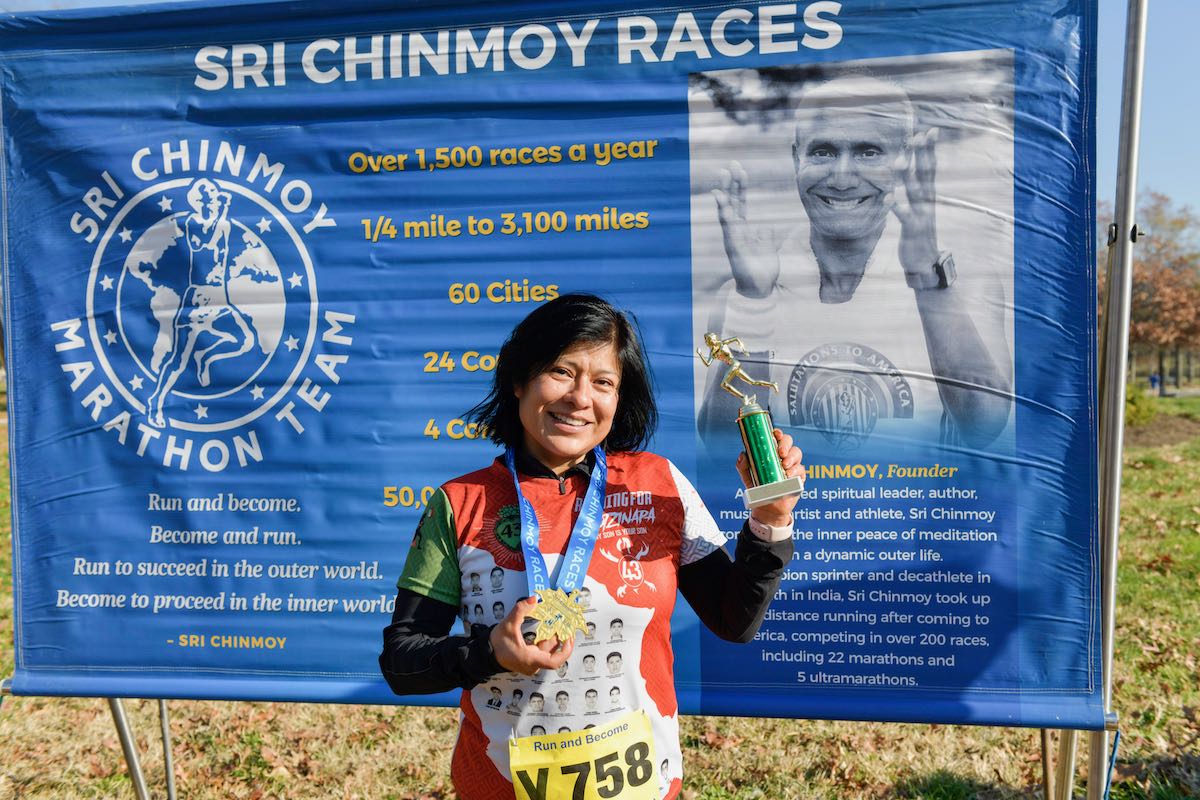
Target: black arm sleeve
731 597
420 657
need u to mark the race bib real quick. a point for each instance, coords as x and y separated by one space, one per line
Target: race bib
615 760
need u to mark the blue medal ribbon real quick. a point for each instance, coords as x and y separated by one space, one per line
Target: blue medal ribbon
573 566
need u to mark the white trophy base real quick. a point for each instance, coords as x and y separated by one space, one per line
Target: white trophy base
770 492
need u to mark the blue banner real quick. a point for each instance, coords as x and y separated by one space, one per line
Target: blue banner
258 262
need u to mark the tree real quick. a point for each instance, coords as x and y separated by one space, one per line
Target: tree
1165 311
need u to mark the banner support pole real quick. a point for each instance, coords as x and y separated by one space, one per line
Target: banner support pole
1047 766
168 762
1114 357
1064 783
129 746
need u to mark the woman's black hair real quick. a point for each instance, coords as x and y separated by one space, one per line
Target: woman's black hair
546 333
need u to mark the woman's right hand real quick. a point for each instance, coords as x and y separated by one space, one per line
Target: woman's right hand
508 643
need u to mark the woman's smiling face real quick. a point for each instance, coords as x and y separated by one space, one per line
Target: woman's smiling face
568 408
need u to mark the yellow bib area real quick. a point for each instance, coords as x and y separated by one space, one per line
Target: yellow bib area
615 760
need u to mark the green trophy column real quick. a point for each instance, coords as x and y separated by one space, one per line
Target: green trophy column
766 472
761 448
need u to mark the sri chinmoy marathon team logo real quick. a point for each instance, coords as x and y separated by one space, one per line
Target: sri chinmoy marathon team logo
201 307
843 389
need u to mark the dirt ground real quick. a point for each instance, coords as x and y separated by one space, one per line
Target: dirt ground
1163 429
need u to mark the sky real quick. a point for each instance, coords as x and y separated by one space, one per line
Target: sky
1169 161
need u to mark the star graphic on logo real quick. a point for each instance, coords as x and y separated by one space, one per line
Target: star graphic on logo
201 411
295 280
165 203
292 342
106 282
110 337
136 382
257 392
263 225
125 234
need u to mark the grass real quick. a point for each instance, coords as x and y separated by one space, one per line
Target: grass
1182 406
1157 653
67 748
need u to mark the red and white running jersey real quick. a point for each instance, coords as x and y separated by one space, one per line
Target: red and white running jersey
467 552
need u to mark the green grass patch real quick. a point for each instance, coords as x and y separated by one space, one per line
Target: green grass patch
940 785
1155 789
1180 406
1157 653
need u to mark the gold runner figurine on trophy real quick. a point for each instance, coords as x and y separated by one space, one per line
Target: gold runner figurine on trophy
754 423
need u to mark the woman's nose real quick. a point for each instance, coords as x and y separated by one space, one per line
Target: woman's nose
580 393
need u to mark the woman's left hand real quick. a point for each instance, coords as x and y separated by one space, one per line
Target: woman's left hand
779 513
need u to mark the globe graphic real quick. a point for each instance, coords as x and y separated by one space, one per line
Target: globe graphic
157 274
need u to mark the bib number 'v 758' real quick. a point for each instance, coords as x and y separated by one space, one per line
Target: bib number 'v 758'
610 761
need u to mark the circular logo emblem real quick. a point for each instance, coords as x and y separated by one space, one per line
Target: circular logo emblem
508 527
843 389
201 304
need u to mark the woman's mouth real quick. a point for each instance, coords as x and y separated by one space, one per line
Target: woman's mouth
568 421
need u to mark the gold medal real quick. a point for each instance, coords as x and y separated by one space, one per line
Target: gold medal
558 615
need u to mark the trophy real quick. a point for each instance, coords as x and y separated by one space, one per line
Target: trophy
754 422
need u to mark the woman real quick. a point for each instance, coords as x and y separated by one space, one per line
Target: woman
571 403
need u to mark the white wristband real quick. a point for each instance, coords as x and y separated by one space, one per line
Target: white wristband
770 533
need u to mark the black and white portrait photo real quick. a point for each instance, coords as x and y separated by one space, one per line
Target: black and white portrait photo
852 243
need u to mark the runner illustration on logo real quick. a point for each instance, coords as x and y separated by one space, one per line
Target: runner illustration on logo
201 305
205 303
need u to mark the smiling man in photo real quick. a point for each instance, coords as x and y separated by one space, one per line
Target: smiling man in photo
857 308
